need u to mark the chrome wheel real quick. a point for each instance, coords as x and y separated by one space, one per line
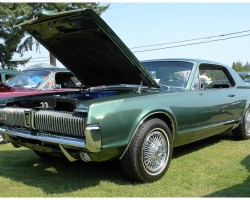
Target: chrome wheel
247 122
155 151
149 154
242 132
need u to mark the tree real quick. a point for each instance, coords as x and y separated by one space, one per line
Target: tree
239 67
247 66
10 37
15 40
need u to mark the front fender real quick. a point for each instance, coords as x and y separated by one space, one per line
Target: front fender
119 119
165 115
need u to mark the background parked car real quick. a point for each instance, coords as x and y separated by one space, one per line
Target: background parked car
7 74
245 76
40 81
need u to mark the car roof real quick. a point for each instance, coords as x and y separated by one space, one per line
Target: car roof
8 71
184 59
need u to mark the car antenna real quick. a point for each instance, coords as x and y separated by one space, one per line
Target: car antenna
139 89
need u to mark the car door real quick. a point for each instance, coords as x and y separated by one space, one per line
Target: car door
217 100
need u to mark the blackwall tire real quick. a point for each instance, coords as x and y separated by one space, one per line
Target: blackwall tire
242 132
150 152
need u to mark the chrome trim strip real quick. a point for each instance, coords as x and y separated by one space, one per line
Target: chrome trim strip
90 128
82 110
233 121
46 137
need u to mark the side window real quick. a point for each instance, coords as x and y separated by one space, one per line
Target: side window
214 77
7 77
66 80
50 84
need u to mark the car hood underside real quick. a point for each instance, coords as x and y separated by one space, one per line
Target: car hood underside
86 45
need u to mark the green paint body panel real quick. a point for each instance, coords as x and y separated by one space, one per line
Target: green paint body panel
119 116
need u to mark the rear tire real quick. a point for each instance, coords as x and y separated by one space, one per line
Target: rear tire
242 132
149 154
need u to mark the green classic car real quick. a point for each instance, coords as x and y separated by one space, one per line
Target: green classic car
128 110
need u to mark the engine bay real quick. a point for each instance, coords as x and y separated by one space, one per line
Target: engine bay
59 102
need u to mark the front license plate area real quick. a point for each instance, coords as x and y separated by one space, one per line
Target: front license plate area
37 147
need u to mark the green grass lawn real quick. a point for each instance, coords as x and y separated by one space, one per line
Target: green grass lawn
214 167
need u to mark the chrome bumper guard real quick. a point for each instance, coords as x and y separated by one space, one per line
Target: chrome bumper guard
92 143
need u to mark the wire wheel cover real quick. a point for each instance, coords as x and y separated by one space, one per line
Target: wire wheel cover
155 151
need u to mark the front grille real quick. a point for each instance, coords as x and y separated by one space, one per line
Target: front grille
15 116
60 122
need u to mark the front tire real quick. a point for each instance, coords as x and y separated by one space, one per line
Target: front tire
149 154
242 132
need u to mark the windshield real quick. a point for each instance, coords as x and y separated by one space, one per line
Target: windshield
170 73
30 79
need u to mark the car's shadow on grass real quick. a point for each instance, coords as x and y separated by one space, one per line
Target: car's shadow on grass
201 144
58 175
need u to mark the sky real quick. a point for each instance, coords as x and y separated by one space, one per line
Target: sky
147 24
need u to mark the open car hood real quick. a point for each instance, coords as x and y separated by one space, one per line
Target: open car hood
88 47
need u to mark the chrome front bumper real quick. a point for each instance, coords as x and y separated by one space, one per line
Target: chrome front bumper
91 142
45 137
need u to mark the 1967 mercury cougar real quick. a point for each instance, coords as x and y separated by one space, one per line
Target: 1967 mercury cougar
127 110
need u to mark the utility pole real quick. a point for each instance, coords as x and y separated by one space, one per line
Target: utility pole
52 59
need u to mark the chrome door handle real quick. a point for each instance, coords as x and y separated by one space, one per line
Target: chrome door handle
231 95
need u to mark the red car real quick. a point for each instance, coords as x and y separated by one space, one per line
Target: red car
39 81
